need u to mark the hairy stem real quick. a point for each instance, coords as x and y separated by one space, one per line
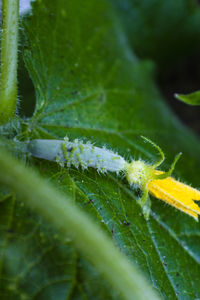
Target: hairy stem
9 44
88 238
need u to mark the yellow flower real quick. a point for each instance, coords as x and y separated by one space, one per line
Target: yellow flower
162 186
176 193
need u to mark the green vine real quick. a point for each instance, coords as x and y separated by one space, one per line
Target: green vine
87 237
9 46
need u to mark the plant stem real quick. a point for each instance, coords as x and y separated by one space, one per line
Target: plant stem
9 44
87 237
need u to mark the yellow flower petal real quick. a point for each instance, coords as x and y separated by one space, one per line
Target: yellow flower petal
176 194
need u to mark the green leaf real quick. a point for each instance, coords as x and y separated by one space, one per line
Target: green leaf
89 85
76 224
191 99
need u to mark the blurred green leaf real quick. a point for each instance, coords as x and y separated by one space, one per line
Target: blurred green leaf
164 31
89 85
191 99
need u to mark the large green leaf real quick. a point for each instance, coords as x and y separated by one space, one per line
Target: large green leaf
89 85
